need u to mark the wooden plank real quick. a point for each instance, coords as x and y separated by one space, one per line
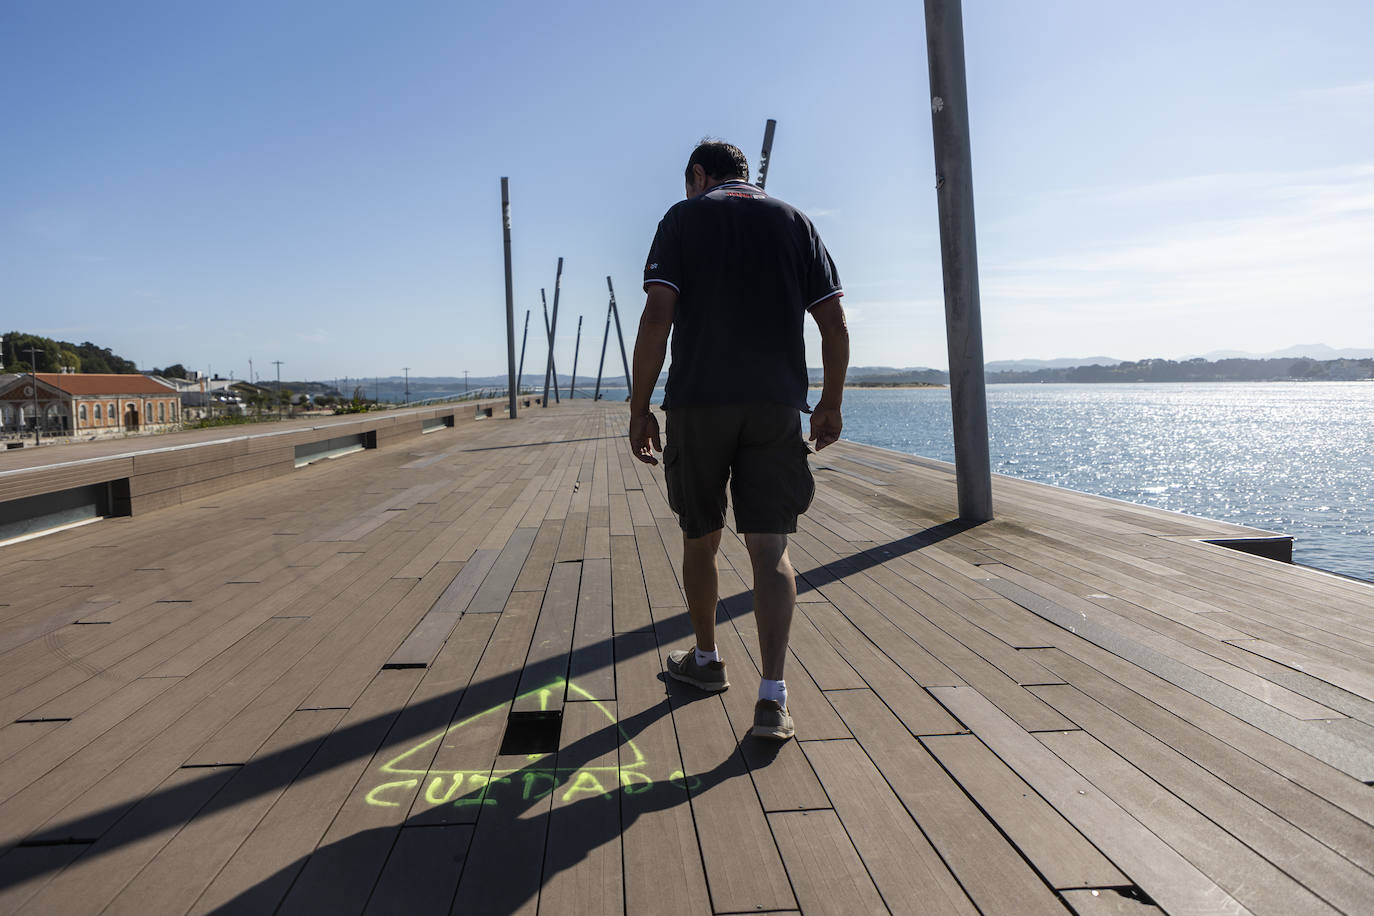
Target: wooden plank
543 682
658 569
1045 838
1352 759
1169 878
424 642
662 858
906 870
992 872
421 874
826 871
572 545
743 868
448 771
782 776
128 761
592 666
1308 795
534 575
582 862
264 867
496 587
506 857
1326 873
1248 877
89 883
26 870
629 598
178 875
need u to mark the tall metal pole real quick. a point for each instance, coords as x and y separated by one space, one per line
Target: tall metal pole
37 414
549 334
572 384
959 256
553 329
520 375
605 338
510 302
277 363
767 152
629 391
407 394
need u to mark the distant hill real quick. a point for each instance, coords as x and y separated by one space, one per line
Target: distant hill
56 355
1317 351
1030 365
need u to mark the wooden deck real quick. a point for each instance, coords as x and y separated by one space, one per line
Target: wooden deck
428 679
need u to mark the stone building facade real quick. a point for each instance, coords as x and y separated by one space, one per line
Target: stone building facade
87 404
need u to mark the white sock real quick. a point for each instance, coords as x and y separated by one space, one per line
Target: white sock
773 690
704 657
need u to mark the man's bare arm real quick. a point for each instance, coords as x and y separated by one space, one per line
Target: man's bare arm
826 422
651 349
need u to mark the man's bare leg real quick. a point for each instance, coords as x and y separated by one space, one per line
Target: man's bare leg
702 585
775 596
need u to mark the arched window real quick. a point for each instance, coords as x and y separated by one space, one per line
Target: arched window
162 411
97 415
112 414
81 413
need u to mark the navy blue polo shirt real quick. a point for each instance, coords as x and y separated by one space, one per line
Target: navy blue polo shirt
747 267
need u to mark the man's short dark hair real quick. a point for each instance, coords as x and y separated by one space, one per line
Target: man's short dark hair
720 160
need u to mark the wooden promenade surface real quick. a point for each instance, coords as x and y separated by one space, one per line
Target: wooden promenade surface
428 679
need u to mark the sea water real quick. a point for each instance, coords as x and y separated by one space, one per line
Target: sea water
1295 458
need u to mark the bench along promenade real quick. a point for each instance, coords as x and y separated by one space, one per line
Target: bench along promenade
427 677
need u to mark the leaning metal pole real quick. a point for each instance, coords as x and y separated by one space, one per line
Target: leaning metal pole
600 367
549 334
629 391
510 300
553 329
572 384
767 152
959 256
520 375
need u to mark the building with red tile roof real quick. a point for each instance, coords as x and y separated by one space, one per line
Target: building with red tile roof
82 404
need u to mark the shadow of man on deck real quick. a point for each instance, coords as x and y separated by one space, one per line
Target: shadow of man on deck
171 808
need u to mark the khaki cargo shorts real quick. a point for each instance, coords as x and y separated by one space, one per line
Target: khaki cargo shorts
756 448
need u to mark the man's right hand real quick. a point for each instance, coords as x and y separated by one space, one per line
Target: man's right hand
826 424
644 438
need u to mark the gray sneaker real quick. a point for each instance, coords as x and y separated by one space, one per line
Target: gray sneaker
682 666
771 721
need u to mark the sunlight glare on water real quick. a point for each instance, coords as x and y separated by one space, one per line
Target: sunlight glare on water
1291 457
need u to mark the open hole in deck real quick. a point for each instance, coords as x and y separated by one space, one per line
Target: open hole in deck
1274 547
532 733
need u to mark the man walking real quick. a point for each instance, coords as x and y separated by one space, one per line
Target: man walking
731 274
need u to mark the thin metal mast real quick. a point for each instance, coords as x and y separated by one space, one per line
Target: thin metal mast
520 375
548 332
605 338
767 152
572 384
510 300
629 390
553 329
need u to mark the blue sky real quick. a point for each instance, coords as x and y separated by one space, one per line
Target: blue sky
319 182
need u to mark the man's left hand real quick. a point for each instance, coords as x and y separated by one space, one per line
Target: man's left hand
644 438
826 425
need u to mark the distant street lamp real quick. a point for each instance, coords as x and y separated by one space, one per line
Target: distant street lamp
407 395
33 373
465 381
